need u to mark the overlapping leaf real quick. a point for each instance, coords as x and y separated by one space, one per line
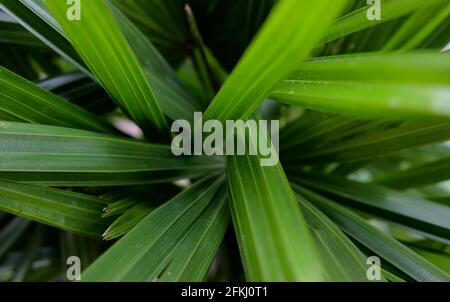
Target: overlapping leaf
66 210
13 33
417 175
68 157
291 31
144 253
373 85
34 17
103 46
412 211
193 255
390 9
341 259
79 89
387 247
11 232
274 240
381 139
173 98
24 101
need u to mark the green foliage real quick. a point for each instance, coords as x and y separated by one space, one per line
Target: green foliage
86 166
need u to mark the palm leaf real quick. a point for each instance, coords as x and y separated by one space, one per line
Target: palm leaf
30 254
34 17
363 107
357 20
418 213
372 85
27 102
417 175
13 33
418 28
81 90
157 235
377 142
273 237
393 251
66 210
11 233
127 221
292 31
68 157
193 255
173 98
96 37
342 261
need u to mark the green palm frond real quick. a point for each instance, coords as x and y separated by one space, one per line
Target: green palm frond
87 168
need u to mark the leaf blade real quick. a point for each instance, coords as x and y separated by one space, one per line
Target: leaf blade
32 15
29 103
415 212
148 246
270 228
374 85
384 245
69 211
